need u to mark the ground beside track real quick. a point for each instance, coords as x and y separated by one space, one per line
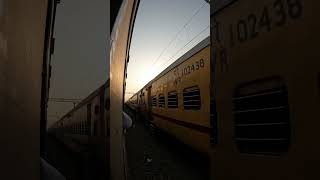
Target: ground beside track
160 157
63 159
73 161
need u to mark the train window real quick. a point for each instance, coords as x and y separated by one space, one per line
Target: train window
319 83
96 109
80 129
191 98
154 101
84 127
107 104
261 117
161 101
87 129
173 99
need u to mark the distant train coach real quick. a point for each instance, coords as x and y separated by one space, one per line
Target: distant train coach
177 101
89 117
88 124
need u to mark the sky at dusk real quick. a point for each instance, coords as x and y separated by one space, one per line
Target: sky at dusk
81 59
164 30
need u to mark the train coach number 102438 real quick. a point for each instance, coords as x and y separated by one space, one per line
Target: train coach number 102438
191 68
277 14
249 28
179 73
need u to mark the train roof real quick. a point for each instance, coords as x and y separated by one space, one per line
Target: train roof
203 44
85 100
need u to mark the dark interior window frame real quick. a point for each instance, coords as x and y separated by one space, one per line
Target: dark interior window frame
170 94
190 98
262 117
154 101
161 97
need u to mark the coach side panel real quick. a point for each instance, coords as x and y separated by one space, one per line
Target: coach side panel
267 90
187 86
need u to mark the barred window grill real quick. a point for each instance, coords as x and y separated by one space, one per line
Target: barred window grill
96 109
81 127
173 99
161 101
87 129
319 83
154 101
107 104
192 98
261 114
77 128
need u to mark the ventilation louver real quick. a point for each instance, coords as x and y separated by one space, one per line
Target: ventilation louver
173 99
161 101
191 98
154 101
261 115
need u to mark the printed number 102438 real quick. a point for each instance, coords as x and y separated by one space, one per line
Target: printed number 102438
271 16
189 68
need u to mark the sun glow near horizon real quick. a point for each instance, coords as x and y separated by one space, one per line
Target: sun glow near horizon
155 42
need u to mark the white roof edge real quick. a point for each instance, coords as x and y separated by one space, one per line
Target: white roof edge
203 44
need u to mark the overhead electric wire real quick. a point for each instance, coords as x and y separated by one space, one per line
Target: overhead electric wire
64 100
185 45
175 37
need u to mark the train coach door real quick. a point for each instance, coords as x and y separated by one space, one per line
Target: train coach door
213 112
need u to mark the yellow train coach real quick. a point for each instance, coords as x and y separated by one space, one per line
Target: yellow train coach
266 79
177 100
